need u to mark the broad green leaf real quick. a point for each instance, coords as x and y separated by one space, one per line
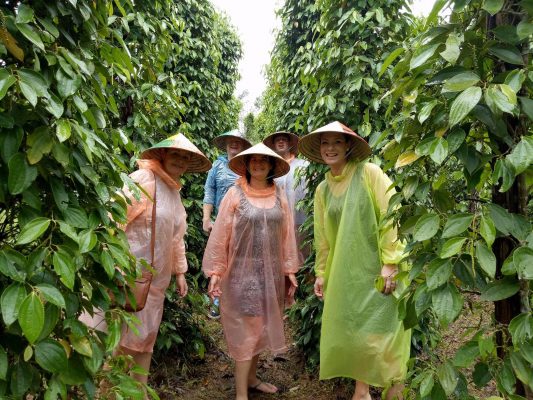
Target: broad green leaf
40 143
4 364
457 224
32 230
31 317
507 53
438 273
6 81
447 377
87 240
76 217
522 369
12 298
74 374
63 129
29 92
444 305
51 294
438 150
524 29
425 111
521 157
35 80
29 32
509 93
437 7
94 363
521 328
466 355
487 230
451 247
463 104
81 345
515 79
54 105
67 87
423 148
24 14
527 106
492 6
460 82
427 384
481 374
21 175
64 267
523 261
486 259
406 158
108 263
500 289
21 378
390 59
50 356
56 389
498 101
452 51
422 54
426 227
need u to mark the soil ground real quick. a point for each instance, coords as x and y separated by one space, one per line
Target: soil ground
212 378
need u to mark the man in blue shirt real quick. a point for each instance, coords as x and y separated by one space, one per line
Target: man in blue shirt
220 178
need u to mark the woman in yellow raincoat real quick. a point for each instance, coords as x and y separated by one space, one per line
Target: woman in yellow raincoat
361 337
160 169
251 248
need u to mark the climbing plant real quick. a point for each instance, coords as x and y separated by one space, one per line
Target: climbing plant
83 86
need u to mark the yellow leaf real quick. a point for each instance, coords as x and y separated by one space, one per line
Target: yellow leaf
11 44
406 158
440 132
66 346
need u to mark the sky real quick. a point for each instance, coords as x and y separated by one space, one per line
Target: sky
256 22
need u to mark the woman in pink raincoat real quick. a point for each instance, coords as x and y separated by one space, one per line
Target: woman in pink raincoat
160 169
251 249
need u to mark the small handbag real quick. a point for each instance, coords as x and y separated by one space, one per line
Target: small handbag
140 289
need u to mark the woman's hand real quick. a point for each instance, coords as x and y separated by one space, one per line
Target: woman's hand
214 287
181 285
388 272
294 285
207 225
319 287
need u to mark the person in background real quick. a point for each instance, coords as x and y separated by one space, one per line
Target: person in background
362 336
219 179
252 247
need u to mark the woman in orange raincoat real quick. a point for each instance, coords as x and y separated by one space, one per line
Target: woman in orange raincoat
251 249
160 169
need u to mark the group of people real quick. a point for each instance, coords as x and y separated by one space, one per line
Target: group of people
254 251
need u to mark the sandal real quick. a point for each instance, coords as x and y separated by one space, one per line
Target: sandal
256 387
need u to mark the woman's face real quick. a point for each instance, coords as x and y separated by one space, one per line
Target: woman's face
259 166
175 162
281 144
333 149
233 147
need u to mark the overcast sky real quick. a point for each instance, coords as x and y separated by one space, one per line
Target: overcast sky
256 21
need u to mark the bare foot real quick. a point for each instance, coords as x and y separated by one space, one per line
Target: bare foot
264 387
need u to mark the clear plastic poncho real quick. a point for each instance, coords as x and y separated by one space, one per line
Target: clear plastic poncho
251 247
361 337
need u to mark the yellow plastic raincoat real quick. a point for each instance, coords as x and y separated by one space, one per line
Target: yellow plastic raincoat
362 337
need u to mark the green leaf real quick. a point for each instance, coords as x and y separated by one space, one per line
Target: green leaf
438 273
4 364
63 129
81 345
64 267
492 6
87 240
12 298
427 384
425 111
463 104
67 87
108 263
76 217
521 328
507 53
24 14
524 29
481 374
40 143
51 356
451 247
460 82
438 150
522 369
31 317
21 175
452 52
447 377
21 378
54 105
523 261
466 355
426 227
28 92
390 59
51 294
521 157
486 259
500 289
509 93
35 80
527 106
487 230
32 230
515 79
446 304
422 54
457 224
498 101
29 32
6 81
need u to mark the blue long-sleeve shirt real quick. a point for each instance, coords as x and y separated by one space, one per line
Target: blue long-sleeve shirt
219 179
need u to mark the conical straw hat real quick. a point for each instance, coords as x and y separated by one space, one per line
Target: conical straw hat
198 163
293 141
309 144
220 140
238 163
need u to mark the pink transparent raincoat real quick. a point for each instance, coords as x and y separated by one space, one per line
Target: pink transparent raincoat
169 247
251 247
